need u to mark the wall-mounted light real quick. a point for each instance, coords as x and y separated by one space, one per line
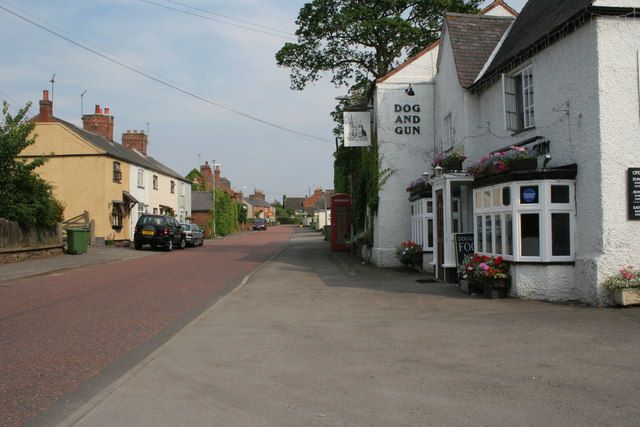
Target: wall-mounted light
425 176
409 91
547 159
438 170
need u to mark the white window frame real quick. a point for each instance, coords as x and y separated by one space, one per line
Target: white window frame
447 131
420 217
516 104
140 178
544 208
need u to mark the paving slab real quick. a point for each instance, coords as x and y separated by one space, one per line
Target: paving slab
317 338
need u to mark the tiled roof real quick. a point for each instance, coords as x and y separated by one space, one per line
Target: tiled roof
473 39
119 152
537 20
295 203
257 202
201 201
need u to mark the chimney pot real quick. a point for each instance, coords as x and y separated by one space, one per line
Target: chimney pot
97 109
45 95
106 110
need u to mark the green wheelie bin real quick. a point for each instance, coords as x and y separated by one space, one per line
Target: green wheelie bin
77 240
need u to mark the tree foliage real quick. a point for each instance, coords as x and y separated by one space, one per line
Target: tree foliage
197 180
361 40
285 216
25 197
226 215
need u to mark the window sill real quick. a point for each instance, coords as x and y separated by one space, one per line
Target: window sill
140 186
518 132
117 227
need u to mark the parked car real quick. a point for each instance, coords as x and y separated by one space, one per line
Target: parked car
259 224
158 230
192 234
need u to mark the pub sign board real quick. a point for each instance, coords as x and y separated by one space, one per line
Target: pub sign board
464 246
357 128
633 193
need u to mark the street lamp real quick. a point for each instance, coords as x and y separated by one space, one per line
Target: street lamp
213 198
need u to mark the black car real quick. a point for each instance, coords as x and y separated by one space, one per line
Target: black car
158 230
259 224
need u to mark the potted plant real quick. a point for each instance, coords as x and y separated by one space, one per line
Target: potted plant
493 273
449 162
625 286
409 253
466 274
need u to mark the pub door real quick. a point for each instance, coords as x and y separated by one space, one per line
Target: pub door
440 234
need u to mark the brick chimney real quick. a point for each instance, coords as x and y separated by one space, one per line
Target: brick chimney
46 108
258 195
135 140
217 172
100 123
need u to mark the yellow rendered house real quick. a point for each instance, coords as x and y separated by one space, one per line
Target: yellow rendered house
91 174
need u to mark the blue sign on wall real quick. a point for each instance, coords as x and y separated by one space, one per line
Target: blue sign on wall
529 194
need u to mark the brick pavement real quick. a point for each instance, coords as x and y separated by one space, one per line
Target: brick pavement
65 330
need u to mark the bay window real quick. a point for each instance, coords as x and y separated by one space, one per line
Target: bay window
535 227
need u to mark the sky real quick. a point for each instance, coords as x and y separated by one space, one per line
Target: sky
219 62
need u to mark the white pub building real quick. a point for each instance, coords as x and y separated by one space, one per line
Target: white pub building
560 79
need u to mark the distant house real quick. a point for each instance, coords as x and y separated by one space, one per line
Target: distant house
258 207
322 210
201 204
295 203
95 177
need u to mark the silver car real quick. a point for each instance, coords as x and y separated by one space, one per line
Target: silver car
193 234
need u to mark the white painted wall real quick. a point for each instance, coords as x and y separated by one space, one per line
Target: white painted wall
416 71
141 194
618 42
404 155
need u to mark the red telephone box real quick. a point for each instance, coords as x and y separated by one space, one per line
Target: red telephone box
340 222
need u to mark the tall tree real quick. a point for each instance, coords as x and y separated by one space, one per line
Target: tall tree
25 197
360 40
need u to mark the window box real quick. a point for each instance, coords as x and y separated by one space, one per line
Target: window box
523 164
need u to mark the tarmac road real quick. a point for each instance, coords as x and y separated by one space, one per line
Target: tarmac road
317 338
66 335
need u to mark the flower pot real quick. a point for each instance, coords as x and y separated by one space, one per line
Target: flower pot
494 292
627 296
523 164
470 286
495 288
452 165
